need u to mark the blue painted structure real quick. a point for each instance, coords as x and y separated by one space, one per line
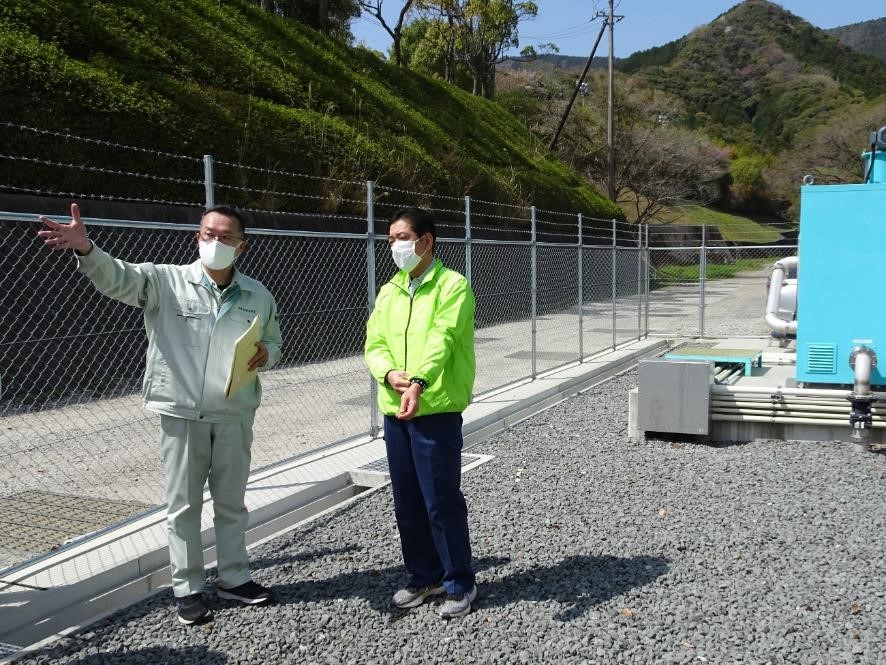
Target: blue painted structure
841 277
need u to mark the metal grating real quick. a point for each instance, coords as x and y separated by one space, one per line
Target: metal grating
37 521
7 650
822 358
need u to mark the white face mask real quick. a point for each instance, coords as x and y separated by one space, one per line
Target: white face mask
403 252
216 255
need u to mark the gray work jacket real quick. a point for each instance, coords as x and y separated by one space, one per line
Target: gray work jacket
191 336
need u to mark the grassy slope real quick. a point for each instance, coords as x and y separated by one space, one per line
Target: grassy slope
221 77
736 228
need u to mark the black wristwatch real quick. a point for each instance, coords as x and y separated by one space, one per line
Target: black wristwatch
421 382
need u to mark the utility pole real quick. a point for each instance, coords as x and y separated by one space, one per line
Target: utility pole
581 80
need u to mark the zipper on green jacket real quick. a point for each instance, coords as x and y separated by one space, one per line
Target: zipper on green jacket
406 335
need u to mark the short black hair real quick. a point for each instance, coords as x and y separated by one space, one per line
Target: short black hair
228 211
421 221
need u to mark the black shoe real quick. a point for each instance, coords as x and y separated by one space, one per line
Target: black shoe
192 609
249 593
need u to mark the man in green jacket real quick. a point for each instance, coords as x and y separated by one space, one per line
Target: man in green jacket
193 316
420 348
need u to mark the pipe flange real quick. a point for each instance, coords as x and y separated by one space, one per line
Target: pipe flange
862 399
862 349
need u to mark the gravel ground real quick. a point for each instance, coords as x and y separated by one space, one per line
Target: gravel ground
588 548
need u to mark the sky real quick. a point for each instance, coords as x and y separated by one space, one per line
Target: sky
569 23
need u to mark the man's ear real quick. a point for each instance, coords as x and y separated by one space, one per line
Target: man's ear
242 247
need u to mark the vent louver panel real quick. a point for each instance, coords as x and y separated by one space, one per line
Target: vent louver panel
822 358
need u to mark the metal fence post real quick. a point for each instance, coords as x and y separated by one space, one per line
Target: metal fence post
468 266
208 181
370 292
614 277
648 282
533 288
702 277
639 282
581 295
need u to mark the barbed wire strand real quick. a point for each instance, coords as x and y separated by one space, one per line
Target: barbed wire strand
99 169
110 144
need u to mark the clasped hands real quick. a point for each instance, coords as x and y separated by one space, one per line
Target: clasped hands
410 393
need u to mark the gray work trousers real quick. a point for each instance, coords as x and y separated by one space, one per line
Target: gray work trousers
194 452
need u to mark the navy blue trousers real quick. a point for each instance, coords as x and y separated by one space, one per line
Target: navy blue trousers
424 457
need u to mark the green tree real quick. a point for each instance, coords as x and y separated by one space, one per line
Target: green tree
374 9
332 17
481 32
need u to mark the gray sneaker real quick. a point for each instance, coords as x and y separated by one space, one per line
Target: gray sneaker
457 605
413 596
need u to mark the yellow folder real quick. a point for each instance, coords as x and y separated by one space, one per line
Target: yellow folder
239 374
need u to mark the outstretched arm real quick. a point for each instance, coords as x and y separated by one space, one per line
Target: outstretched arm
133 284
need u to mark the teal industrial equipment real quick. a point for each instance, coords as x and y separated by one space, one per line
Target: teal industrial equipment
841 272
841 276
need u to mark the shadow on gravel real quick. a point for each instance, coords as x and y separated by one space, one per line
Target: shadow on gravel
152 656
578 583
260 562
375 586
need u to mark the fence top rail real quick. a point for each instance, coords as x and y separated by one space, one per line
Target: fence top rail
720 247
172 226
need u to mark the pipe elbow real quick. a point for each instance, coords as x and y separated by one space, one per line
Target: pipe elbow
862 360
780 325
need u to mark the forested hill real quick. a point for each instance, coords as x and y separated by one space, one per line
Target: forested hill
223 77
865 37
759 75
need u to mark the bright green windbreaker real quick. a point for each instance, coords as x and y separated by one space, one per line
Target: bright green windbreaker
429 335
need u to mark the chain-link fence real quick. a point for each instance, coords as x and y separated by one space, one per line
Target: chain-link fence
552 288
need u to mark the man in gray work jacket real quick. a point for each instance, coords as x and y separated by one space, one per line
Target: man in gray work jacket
193 316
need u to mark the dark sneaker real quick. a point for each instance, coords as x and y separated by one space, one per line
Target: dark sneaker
249 593
413 596
192 609
457 605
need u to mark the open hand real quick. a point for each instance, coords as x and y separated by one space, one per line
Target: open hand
66 236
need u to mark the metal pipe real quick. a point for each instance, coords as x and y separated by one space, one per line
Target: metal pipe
776 281
468 258
811 392
772 406
370 293
702 276
533 288
646 313
787 421
614 281
639 282
864 365
862 360
208 182
581 293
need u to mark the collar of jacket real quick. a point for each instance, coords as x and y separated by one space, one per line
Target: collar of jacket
402 277
195 276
